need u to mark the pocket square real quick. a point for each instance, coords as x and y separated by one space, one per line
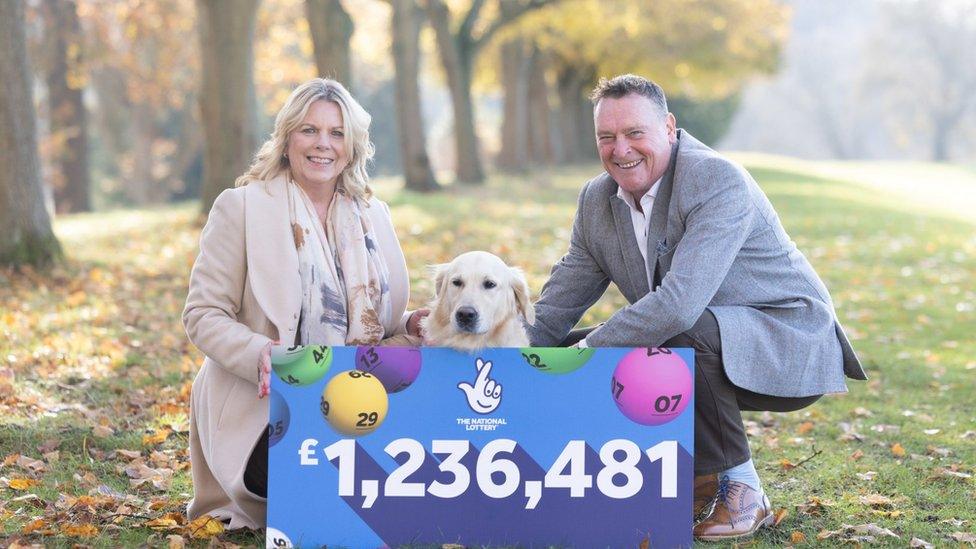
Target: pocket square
662 247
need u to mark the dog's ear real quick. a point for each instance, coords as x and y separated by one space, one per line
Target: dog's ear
439 273
523 300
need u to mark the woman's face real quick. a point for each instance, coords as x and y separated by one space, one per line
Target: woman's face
317 149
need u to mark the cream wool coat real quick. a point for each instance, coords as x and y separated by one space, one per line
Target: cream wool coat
245 292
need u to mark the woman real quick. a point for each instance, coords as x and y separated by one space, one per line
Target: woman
299 252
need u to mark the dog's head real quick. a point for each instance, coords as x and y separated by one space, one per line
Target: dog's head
478 292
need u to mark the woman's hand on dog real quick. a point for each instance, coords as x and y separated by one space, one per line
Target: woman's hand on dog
413 323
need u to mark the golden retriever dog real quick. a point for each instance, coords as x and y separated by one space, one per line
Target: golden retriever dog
480 302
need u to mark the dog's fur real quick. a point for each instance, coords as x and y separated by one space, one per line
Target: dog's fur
478 284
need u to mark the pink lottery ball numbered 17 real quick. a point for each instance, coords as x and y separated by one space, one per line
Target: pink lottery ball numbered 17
651 386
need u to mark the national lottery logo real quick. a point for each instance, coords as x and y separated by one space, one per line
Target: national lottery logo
486 393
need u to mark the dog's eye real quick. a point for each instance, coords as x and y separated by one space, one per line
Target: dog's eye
489 284
457 282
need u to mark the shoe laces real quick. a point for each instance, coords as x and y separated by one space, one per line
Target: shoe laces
723 489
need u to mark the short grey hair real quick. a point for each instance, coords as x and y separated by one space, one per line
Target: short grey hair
626 84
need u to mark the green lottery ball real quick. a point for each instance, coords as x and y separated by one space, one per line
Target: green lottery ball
557 360
301 365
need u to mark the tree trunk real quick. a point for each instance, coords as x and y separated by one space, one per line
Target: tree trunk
69 119
576 132
405 30
540 114
188 155
112 116
25 227
940 139
568 119
456 53
142 188
469 167
515 72
331 29
586 144
227 100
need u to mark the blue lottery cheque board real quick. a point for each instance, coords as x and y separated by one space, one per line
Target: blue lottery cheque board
504 447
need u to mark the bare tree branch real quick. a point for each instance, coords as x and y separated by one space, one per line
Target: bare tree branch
466 30
507 17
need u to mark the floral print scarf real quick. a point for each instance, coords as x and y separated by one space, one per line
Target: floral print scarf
345 280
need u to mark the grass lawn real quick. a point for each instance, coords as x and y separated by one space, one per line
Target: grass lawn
95 368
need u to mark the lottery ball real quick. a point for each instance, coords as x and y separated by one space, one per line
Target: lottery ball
276 539
557 360
354 402
301 365
278 418
395 367
651 386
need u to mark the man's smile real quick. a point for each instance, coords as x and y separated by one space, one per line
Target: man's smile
629 165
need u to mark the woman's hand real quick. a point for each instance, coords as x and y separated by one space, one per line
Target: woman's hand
264 371
413 323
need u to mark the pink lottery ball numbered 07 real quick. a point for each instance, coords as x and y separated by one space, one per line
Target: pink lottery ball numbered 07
651 386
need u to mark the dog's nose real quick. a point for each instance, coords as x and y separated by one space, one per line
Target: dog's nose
466 316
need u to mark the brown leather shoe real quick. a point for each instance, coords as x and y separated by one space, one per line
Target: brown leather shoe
739 511
706 487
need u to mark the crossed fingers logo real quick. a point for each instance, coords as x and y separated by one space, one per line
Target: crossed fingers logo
486 393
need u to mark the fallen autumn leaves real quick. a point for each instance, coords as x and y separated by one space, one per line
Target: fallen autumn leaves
95 371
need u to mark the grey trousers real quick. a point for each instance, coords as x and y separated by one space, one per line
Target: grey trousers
720 437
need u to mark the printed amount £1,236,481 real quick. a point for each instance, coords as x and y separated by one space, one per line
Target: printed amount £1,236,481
572 457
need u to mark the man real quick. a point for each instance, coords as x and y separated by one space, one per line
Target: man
698 251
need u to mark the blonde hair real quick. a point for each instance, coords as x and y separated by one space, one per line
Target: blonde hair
270 160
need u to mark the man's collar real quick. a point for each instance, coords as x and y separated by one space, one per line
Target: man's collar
629 198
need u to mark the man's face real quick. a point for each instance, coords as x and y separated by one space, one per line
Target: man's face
634 140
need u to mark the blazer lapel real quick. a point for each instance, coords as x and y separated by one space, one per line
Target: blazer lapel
633 262
272 262
656 242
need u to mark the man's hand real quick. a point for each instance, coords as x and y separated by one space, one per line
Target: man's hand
413 323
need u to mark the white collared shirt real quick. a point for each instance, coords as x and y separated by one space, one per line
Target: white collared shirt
642 223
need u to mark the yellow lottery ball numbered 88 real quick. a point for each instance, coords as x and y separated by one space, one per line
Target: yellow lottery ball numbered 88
354 403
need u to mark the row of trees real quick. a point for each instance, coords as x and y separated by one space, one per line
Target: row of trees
862 79
549 52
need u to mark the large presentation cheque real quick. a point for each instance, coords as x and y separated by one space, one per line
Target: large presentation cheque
540 447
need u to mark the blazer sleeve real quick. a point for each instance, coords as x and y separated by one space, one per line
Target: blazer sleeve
718 220
216 291
575 283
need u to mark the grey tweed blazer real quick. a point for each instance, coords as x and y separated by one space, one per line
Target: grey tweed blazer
716 243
